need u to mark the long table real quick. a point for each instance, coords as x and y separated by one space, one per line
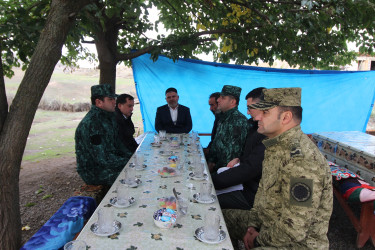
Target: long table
138 230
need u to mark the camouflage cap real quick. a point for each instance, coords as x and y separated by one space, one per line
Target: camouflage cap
290 97
102 90
231 90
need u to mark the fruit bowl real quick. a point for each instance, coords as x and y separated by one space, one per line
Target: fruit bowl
167 172
167 202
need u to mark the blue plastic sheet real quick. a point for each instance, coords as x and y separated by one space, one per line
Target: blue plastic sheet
331 100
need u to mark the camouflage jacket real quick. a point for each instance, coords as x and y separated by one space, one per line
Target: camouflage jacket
230 138
293 204
100 154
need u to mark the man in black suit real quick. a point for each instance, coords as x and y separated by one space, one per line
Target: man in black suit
124 111
212 102
173 117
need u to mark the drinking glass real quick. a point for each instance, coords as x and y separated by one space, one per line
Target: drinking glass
139 160
129 175
122 198
211 226
75 245
205 191
105 220
162 134
198 170
156 139
182 205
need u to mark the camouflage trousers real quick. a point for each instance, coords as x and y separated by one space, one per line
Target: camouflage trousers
237 224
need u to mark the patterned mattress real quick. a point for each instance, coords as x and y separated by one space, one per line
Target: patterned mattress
353 150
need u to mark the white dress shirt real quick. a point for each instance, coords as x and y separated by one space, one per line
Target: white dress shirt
174 114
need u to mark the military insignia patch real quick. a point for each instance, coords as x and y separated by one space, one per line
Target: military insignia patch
301 191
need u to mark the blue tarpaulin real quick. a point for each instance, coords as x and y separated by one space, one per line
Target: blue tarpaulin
331 100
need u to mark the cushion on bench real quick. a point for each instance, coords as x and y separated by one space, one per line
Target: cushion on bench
63 225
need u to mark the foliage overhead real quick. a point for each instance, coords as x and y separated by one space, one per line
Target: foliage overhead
20 26
307 33
304 33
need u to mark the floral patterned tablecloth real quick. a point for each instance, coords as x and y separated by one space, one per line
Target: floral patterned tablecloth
138 230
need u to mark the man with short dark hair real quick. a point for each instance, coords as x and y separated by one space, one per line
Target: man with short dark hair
293 204
173 117
124 110
231 131
100 154
245 170
212 102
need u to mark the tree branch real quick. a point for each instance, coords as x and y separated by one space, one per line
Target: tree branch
128 56
90 42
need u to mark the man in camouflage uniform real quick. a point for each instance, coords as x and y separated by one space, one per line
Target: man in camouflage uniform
231 130
293 204
100 154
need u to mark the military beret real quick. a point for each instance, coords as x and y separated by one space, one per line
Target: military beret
288 97
231 90
102 90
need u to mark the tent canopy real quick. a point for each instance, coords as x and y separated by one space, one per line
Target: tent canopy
331 100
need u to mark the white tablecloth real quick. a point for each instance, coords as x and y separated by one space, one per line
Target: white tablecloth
138 229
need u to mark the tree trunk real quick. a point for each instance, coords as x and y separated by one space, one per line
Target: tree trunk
106 47
21 114
3 96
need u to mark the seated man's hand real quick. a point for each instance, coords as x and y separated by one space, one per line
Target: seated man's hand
211 166
206 151
249 237
233 162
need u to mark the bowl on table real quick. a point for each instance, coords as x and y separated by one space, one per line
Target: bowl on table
165 218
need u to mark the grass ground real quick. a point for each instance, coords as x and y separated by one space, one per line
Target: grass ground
52 132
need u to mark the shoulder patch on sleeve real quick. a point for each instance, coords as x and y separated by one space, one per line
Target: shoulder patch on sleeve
301 190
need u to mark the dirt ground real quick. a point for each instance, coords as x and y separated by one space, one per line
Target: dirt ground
58 178
55 180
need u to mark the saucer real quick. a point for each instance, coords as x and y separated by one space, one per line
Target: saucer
135 184
197 198
115 229
113 202
192 176
199 233
165 153
156 145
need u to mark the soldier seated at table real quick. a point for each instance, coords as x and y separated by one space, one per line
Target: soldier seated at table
294 200
237 183
231 130
100 154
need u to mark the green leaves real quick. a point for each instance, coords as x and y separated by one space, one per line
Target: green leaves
308 34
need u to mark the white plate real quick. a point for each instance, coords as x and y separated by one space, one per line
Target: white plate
115 229
192 176
212 200
113 202
199 233
133 185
